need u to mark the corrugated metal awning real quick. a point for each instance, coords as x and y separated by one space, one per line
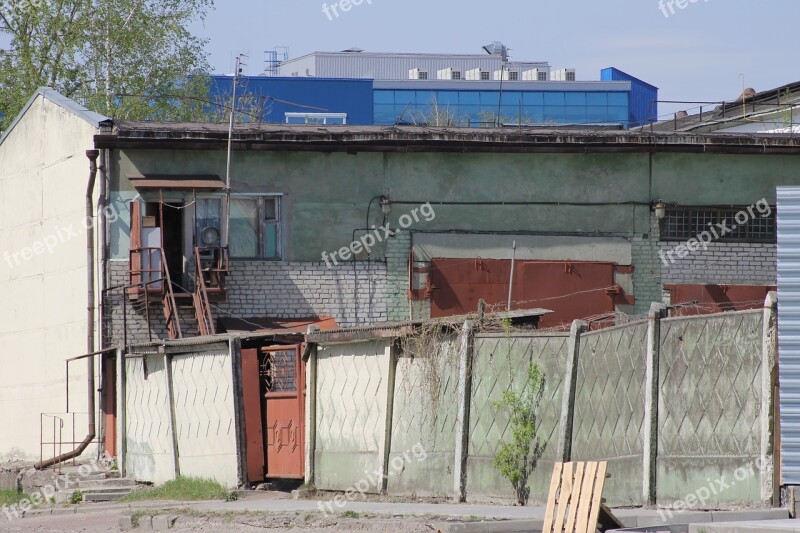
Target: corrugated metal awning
177 181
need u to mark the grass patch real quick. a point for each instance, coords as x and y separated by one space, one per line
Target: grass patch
183 489
350 514
10 497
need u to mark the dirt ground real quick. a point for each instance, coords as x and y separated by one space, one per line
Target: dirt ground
189 520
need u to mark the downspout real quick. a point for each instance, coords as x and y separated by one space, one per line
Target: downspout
90 385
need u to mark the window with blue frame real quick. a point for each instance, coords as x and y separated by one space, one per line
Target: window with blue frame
471 107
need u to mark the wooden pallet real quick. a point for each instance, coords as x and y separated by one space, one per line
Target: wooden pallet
575 503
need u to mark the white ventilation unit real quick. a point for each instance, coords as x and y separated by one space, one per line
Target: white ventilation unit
564 74
417 74
448 74
476 74
537 74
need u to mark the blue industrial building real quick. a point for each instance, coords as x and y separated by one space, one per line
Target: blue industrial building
618 100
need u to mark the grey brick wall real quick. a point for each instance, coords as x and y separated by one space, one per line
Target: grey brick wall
398 251
352 295
724 263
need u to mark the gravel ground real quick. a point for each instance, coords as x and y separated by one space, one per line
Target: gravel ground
189 520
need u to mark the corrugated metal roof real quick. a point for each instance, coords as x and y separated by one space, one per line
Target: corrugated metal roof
402 328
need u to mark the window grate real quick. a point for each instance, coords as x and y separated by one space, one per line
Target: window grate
682 224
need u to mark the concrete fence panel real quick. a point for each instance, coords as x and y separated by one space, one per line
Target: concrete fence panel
424 420
609 411
205 425
351 404
148 439
500 364
709 408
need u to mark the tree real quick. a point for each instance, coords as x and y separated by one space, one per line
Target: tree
131 59
517 459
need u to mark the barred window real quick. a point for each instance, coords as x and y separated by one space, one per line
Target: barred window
681 224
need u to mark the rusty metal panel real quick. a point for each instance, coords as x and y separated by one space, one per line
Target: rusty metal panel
573 290
254 432
282 372
109 388
712 299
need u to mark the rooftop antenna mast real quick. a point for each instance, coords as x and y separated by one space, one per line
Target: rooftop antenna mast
236 73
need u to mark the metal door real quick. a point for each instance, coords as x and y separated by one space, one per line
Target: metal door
283 375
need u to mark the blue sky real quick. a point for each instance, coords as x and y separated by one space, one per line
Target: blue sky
697 53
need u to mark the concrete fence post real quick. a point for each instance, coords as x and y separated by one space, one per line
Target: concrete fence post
311 414
173 433
568 397
462 414
394 356
769 380
649 472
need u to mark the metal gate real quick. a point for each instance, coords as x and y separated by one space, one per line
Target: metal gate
789 331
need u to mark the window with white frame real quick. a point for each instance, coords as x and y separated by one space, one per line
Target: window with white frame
255 227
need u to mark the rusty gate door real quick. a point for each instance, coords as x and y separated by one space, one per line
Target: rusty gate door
283 373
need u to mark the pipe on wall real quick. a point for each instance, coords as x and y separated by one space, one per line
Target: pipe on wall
90 384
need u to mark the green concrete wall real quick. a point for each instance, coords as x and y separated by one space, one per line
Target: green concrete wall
327 196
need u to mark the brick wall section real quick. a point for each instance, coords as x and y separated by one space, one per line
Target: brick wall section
724 263
398 251
352 295
256 289
647 276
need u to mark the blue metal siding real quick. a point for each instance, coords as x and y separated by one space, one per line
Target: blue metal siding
644 97
301 95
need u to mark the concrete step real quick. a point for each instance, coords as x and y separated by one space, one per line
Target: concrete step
106 495
92 484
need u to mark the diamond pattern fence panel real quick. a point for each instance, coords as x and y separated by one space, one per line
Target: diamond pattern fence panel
609 408
351 415
500 364
147 421
709 409
424 420
204 416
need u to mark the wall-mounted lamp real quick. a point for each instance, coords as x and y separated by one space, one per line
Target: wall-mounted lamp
661 210
386 205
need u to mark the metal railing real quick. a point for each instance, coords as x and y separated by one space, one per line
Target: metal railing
57 433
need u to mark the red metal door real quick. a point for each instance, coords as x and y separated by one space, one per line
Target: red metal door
109 388
283 373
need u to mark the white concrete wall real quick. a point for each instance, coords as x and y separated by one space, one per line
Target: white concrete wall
43 178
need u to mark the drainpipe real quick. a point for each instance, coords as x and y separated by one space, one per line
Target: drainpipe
90 385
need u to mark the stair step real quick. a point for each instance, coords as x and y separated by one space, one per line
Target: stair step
105 496
91 484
